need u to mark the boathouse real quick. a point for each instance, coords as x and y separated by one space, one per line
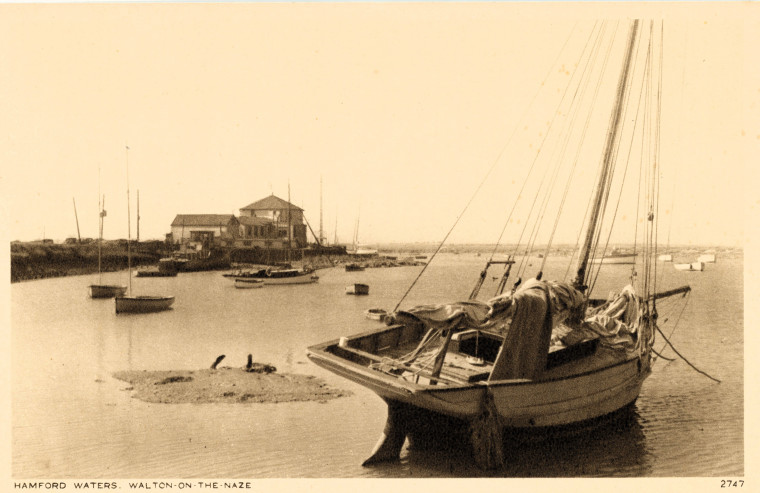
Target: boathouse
203 231
271 223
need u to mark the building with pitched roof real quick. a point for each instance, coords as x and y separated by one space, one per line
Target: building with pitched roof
272 222
202 231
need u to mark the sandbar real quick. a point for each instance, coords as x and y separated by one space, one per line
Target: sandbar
226 385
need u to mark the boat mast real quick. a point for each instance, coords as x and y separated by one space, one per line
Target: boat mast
356 234
138 216
290 244
603 185
79 237
129 229
335 239
321 230
100 230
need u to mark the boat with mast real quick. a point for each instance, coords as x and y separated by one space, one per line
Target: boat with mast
101 290
544 354
358 249
129 303
616 257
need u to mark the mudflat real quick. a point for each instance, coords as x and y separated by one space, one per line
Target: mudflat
226 385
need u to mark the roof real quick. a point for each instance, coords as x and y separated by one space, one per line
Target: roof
254 221
271 203
215 220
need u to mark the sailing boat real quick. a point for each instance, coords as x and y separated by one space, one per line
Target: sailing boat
542 355
357 248
101 290
144 303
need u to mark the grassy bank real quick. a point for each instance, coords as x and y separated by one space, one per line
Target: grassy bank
37 260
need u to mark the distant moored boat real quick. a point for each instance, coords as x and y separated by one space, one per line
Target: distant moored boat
242 283
615 257
694 266
143 304
357 288
106 290
375 314
103 290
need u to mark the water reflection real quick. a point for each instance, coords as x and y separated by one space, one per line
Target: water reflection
613 446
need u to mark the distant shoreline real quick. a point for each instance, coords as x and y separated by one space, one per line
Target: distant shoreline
42 260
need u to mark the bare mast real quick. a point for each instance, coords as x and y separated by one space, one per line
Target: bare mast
129 229
138 216
79 237
321 229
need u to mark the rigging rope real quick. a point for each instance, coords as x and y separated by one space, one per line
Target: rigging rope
658 134
575 161
591 198
543 83
498 157
535 159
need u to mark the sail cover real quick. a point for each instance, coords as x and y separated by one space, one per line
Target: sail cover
461 315
616 322
534 309
531 319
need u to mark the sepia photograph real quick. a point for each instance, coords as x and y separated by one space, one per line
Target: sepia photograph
254 245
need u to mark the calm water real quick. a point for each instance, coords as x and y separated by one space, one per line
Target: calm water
71 419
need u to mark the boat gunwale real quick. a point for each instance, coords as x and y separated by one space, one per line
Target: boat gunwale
320 350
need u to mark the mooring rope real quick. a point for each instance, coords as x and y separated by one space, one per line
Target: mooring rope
683 357
661 356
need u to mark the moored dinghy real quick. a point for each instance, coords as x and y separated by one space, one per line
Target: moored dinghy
543 354
138 304
143 304
376 314
694 267
101 290
357 288
106 290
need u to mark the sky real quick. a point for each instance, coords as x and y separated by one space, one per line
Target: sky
398 110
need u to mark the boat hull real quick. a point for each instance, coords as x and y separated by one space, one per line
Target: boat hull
106 291
357 289
375 314
619 260
143 304
519 403
280 281
248 283
155 273
694 266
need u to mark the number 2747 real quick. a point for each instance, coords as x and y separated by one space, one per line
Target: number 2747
727 483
